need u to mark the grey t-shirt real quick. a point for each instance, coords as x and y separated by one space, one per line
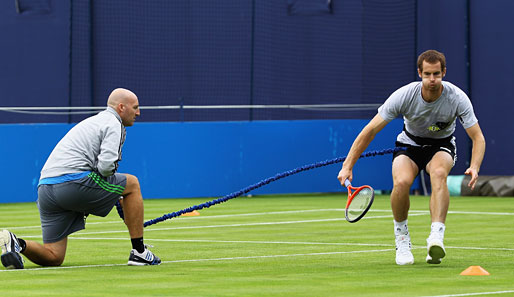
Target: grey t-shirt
429 120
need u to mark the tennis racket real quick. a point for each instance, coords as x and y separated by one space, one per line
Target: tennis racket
359 202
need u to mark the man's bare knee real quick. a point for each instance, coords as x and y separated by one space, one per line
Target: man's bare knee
402 184
439 173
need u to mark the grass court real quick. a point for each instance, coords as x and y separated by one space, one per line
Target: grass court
285 245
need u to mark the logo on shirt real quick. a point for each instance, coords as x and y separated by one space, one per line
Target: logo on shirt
438 126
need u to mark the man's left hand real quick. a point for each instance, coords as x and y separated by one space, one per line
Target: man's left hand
474 177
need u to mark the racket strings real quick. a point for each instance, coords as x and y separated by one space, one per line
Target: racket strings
360 203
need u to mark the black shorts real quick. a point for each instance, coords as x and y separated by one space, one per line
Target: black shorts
421 155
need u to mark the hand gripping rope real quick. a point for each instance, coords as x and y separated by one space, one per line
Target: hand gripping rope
255 186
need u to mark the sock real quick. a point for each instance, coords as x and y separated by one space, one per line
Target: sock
400 228
438 228
137 244
23 244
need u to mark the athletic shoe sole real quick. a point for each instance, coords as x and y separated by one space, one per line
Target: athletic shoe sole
405 263
12 260
134 263
435 253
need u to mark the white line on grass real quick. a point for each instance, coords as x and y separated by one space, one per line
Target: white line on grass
288 242
203 260
479 248
412 212
474 294
228 225
482 213
241 241
214 216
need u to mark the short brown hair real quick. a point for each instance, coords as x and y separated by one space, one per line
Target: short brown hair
432 57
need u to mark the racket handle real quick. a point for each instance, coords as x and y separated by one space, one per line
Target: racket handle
347 183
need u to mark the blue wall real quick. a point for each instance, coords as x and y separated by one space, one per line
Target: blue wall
207 52
246 52
209 158
454 44
476 36
34 58
492 77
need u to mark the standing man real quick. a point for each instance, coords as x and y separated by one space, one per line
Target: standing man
79 178
429 109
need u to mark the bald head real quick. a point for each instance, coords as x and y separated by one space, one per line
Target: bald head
126 104
120 95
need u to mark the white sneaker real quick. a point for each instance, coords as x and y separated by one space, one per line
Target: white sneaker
403 254
144 258
11 249
435 249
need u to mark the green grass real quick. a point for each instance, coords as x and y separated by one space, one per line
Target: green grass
288 245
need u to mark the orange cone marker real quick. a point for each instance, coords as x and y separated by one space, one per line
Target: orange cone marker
190 214
475 270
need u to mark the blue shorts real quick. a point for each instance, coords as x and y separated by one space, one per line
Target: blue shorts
64 206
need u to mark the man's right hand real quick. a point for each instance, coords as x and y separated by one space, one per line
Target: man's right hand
344 174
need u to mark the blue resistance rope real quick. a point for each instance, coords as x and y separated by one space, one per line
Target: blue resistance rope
256 185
